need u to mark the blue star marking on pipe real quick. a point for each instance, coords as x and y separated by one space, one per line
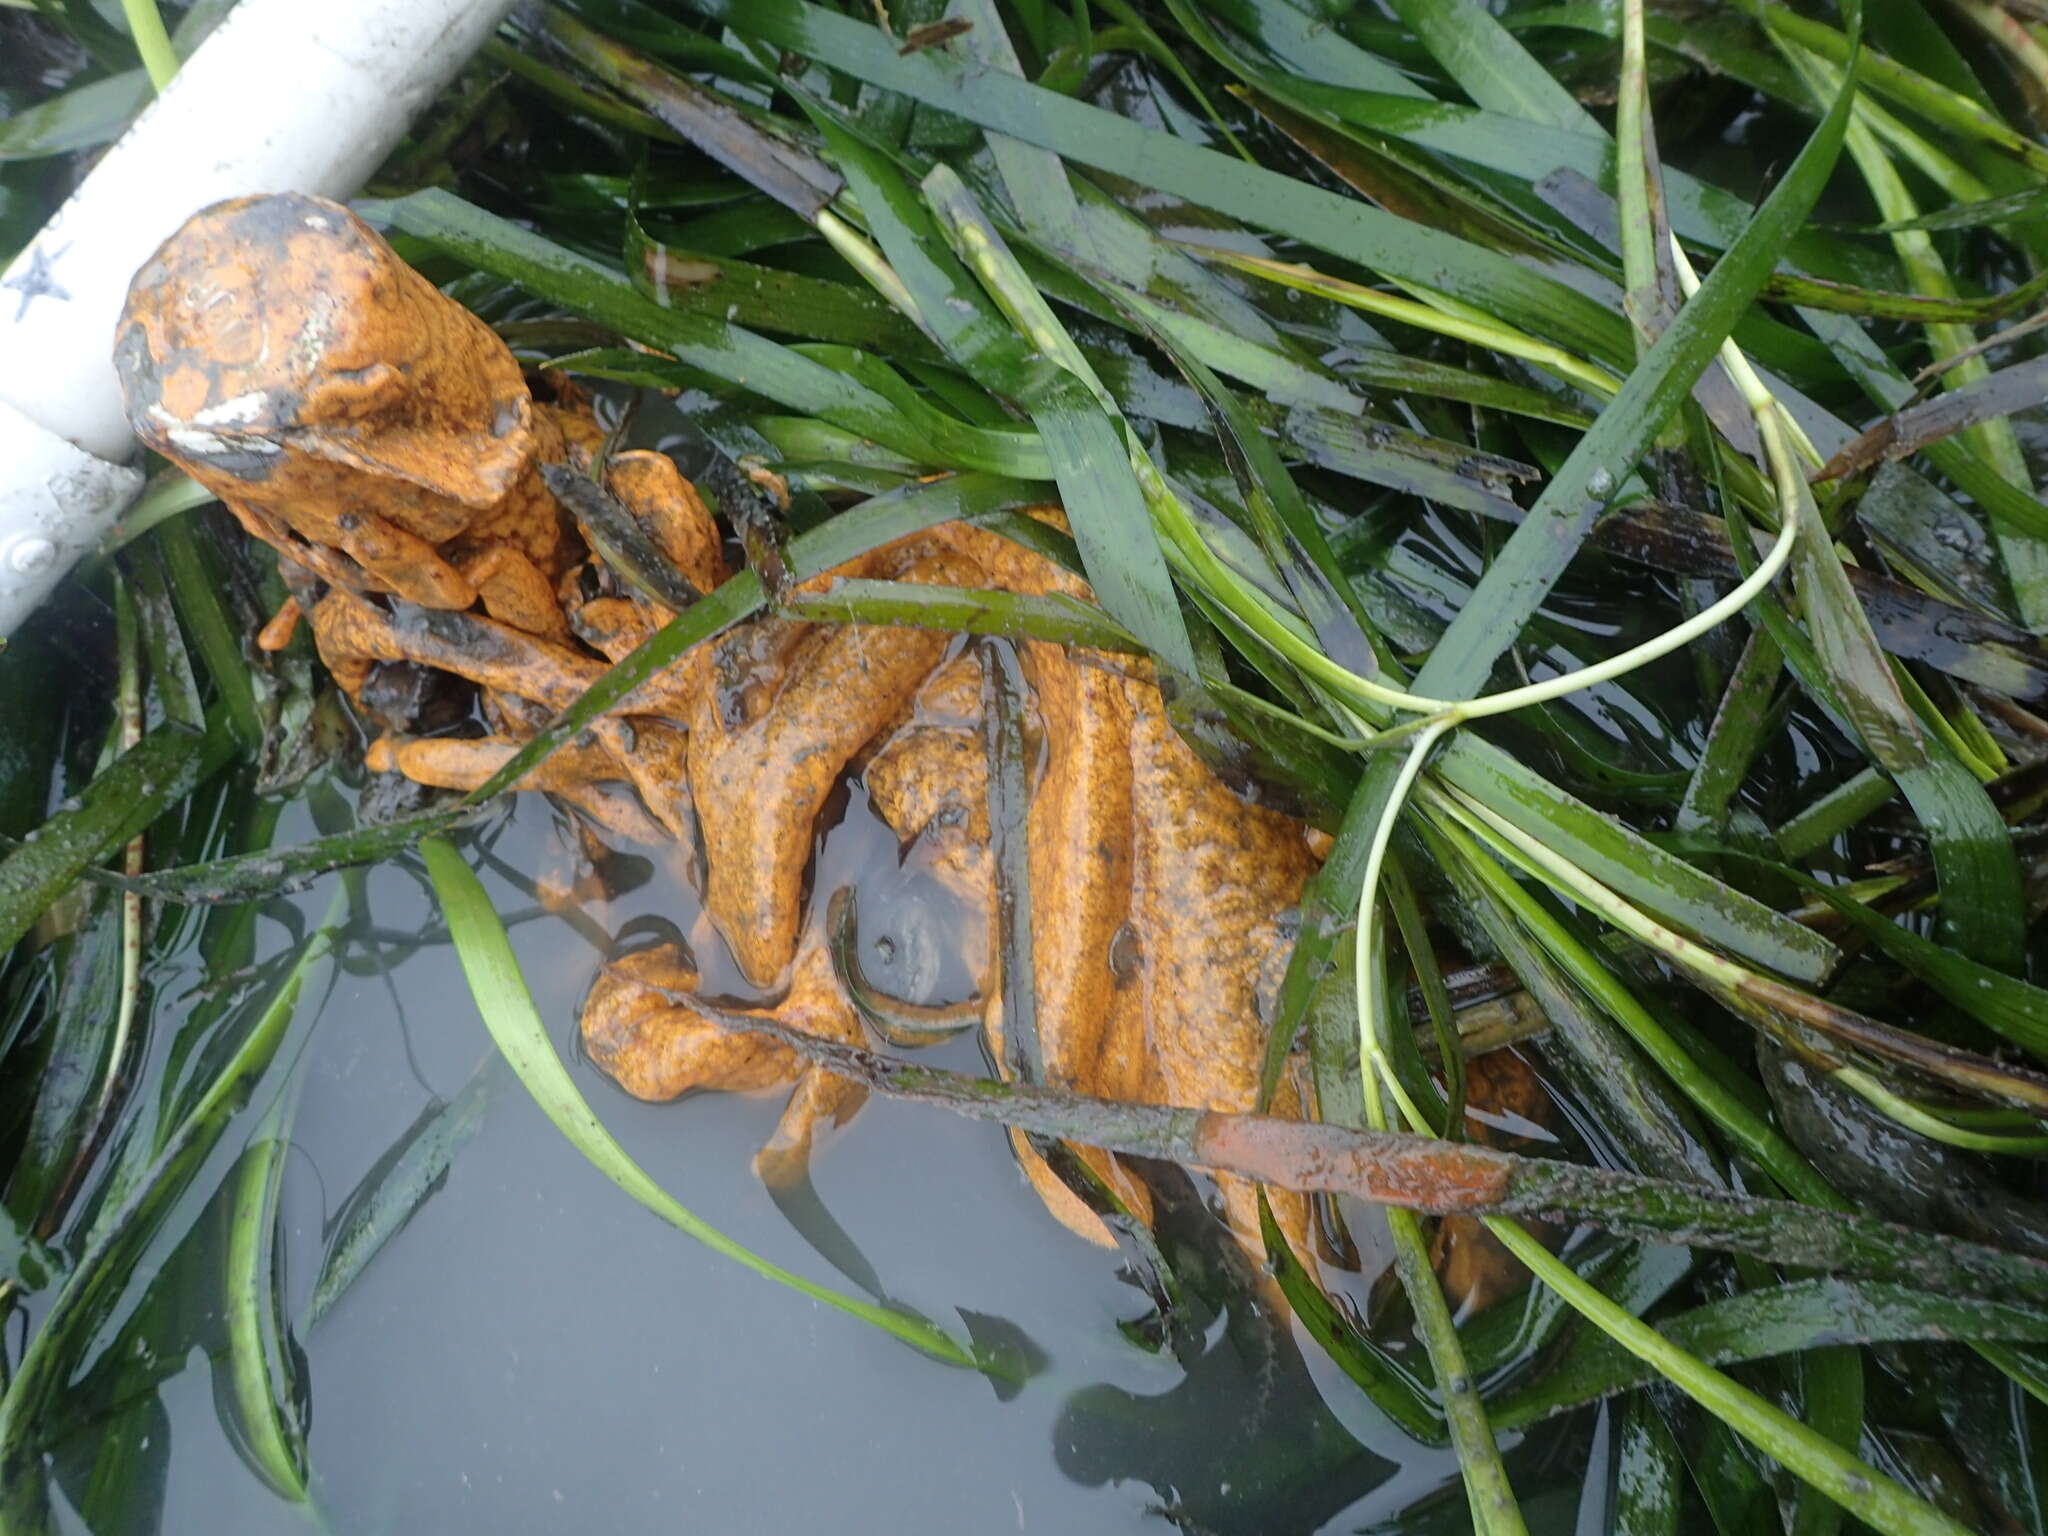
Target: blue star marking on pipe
38 281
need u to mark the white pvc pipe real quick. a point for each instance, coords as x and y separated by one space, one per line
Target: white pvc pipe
286 96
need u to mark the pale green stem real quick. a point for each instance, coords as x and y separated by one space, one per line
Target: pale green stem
864 258
2026 558
1810 1455
1926 1123
1866 1493
259 1367
146 27
1366 937
1564 875
1633 189
2011 34
1672 639
128 704
1487 1489
978 243
1445 715
1304 654
1443 316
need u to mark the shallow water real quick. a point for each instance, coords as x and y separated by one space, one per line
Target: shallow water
535 1352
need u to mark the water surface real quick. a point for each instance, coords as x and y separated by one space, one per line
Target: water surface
535 1352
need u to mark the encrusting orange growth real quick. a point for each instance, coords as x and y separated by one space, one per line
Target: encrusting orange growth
386 443
349 413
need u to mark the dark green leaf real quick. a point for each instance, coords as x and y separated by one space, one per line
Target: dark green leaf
131 793
1439 1177
1263 198
1778 1320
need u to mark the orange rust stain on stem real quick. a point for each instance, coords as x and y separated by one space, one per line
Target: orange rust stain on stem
1438 1177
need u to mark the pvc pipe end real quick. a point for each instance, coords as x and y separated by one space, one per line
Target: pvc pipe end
56 502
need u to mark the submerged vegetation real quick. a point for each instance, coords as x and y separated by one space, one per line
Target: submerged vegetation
1579 457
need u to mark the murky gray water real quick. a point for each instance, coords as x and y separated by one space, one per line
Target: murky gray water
535 1352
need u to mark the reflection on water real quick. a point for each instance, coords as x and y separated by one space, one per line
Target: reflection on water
533 1352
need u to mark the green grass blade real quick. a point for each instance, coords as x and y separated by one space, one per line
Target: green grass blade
1881 379
1488 1493
60 1129
399 1183
1490 64
1989 1417
1033 177
946 440
1742 722
1973 854
1639 192
737 139
197 587
1831 1401
1817 1461
1784 1319
780 373
1294 541
1993 442
1538 551
2026 207
1309 46
1050 616
1091 460
84 117
119 1237
1266 199
1636 1276
2016 1009
1649 1473
1446 1109
570 95
515 1024
1392 457
1325 80
1361 1357
272 1441
1903 84
127 796
169 665
1724 45
1651 876
950 304
1112 524
770 299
